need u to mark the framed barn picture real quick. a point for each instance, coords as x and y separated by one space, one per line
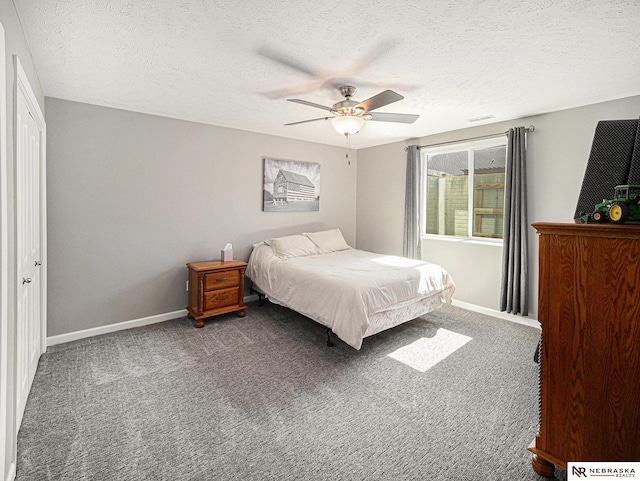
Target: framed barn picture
290 186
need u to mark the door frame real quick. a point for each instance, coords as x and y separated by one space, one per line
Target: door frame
5 462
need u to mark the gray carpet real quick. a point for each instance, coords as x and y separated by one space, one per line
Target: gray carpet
264 398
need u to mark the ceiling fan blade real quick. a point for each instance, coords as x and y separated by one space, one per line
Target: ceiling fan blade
388 117
305 121
311 104
375 53
287 60
383 98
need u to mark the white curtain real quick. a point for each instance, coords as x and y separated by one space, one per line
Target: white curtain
514 292
412 204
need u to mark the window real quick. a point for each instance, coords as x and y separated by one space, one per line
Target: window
465 188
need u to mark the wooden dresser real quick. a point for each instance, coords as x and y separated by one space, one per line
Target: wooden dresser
215 287
589 308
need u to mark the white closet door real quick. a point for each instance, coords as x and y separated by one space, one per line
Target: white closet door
28 249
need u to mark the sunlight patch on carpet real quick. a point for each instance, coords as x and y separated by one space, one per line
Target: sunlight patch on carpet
425 353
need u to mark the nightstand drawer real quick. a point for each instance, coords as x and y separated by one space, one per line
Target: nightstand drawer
220 298
221 280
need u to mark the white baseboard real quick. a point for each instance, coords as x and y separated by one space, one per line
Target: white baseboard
527 321
120 326
252 297
11 475
145 321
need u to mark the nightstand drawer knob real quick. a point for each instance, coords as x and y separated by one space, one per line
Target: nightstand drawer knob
222 298
222 279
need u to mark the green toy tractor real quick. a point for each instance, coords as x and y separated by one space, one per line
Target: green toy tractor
623 208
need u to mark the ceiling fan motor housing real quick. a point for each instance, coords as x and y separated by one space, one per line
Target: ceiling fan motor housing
347 90
347 107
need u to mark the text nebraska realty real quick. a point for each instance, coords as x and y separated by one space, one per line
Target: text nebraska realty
605 472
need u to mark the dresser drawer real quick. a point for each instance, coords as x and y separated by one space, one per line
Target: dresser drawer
220 298
221 279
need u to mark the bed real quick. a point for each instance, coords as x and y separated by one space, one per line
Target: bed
353 293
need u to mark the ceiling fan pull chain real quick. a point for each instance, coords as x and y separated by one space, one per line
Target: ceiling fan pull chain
348 147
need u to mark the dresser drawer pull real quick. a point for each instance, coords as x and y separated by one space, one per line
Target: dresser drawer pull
222 298
222 279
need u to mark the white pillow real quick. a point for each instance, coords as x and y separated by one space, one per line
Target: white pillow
292 246
328 240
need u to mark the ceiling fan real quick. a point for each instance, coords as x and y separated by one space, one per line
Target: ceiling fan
349 115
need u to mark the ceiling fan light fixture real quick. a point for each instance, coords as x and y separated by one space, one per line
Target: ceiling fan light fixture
347 124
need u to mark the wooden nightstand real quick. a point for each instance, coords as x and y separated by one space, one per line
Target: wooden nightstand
215 287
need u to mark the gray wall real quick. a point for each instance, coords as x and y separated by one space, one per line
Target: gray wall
15 43
557 155
133 197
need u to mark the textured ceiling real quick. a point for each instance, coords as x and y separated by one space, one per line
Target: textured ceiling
233 63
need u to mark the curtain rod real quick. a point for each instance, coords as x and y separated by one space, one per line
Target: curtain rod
531 128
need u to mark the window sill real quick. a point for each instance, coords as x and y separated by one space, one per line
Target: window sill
464 240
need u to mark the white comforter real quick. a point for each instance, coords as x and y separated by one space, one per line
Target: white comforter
342 289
